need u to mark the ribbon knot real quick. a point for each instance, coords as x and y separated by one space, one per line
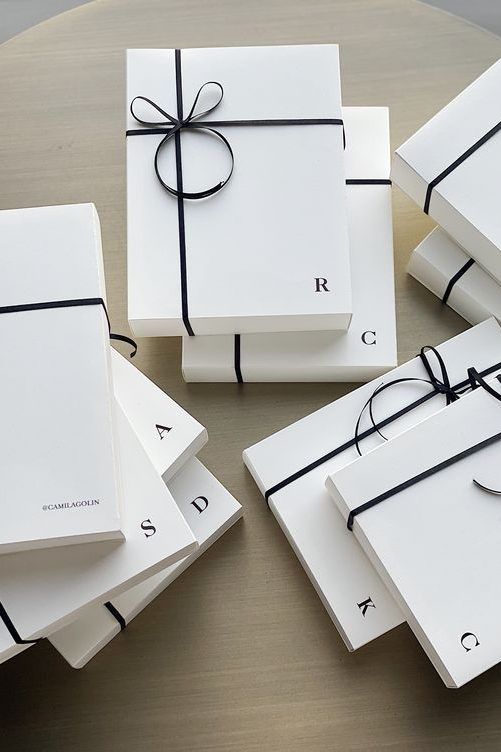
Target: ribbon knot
173 126
441 385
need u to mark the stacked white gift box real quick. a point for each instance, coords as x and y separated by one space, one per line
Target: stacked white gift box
104 501
259 215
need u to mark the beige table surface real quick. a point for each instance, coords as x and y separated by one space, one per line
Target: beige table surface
238 654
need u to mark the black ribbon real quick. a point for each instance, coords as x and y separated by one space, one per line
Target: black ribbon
172 127
4 616
455 278
476 380
237 342
116 614
456 163
71 304
439 386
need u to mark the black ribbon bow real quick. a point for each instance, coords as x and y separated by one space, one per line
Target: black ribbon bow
173 126
441 385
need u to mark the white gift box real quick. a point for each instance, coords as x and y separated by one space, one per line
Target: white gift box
369 347
290 468
168 433
445 269
449 167
432 533
59 462
41 591
209 509
176 439
249 258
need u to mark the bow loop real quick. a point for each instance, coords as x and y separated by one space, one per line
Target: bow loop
441 385
193 114
172 126
169 119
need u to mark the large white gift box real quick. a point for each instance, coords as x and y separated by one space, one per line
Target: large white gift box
41 591
457 279
450 169
59 457
291 466
267 249
369 347
209 509
432 532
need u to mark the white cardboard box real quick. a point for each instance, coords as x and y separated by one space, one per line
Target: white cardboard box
460 147
41 591
177 438
169 435
290 468
445 269
369 347
59 461
434 535
249 258
209 509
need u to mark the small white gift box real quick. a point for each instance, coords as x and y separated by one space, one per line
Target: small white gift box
453 276
59 459
209 509
266 247
290 468
450 168
432 533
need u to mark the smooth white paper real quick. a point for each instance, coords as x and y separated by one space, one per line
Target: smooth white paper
475 296
436 542
209 509
59 461
465 203
369 347
336 565
168 434
257 251
42 591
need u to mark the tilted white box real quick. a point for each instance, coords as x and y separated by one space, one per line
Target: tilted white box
290 468
432 533
450 169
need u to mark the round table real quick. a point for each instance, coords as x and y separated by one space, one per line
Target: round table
239 653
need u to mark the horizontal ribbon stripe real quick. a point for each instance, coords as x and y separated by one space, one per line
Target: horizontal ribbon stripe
75 303
457 276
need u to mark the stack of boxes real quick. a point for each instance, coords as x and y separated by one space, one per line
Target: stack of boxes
259 215
104 503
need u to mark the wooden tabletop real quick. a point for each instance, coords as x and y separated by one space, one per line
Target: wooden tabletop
238 654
